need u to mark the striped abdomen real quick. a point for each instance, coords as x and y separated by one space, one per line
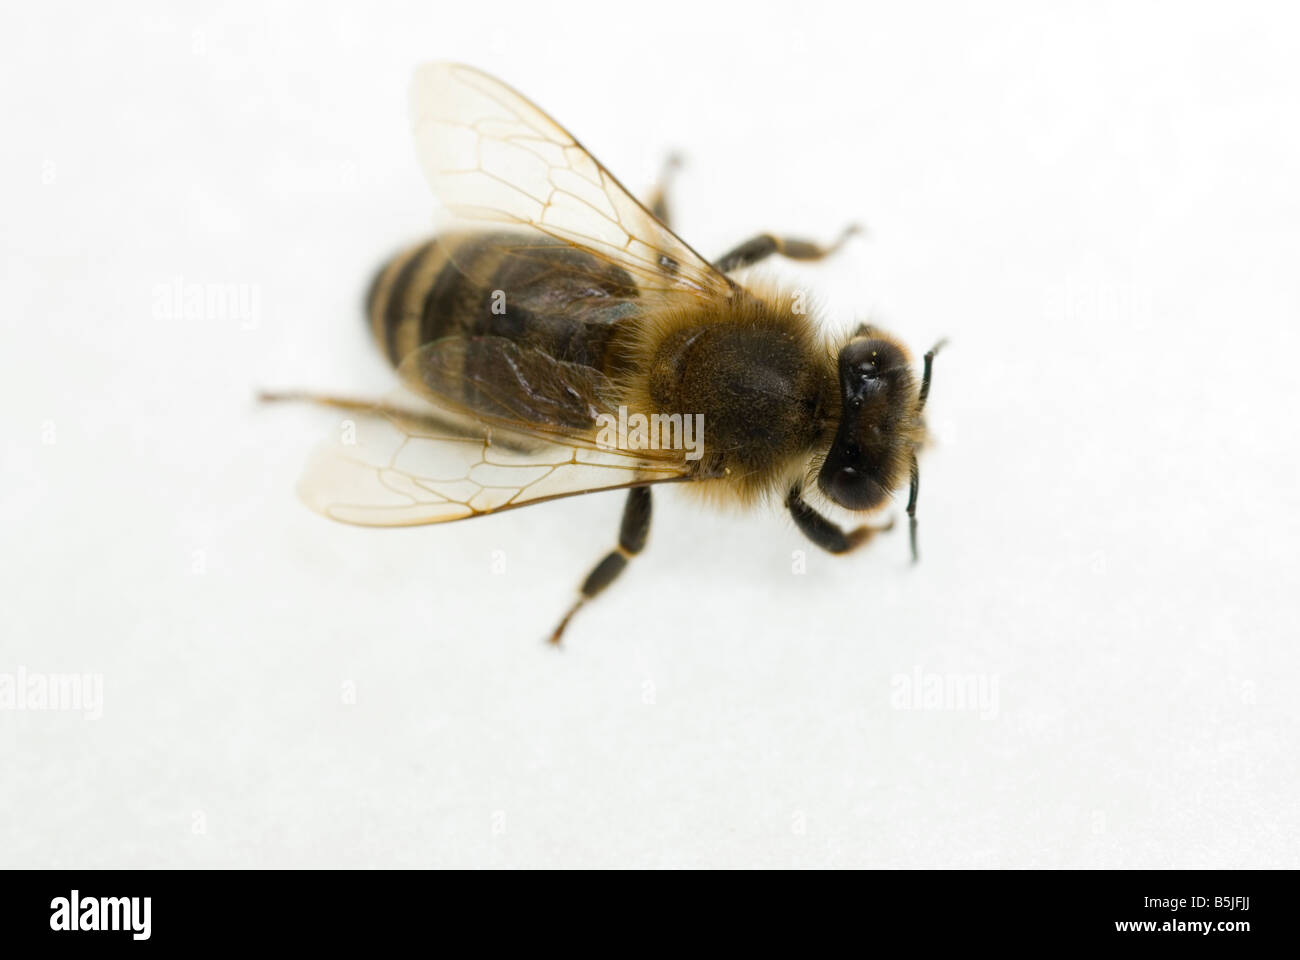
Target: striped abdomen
548 295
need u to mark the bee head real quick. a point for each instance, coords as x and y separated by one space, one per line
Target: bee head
870 452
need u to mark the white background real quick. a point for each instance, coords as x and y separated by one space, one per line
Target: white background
1098 204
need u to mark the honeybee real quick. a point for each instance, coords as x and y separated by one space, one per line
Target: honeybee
557 338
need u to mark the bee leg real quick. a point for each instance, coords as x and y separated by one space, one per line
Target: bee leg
371 407
631 539
925 376
825 533
429 422
914 487
765 244
657 201
324 400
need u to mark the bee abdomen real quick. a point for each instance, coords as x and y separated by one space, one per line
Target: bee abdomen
396 301
554 298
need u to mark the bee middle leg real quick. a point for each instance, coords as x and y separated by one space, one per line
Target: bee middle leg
765 244
632 536
657 201
826 533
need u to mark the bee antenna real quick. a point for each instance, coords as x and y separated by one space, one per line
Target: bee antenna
925 378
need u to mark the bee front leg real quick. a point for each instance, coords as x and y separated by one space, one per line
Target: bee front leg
826 533
632 536
765 244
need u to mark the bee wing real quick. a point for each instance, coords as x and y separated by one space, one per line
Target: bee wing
519 389
408 461
492 155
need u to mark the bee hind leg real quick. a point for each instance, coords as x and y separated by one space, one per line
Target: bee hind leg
429 422
632 536
321 399
792 248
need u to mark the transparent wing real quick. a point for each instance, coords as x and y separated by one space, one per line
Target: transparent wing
405 463
491 155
